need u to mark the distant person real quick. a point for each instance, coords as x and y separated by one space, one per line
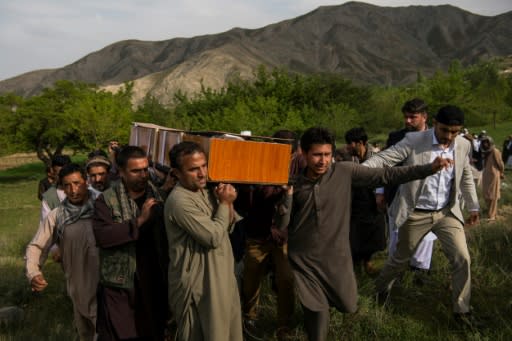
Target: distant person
203 292
492 174
55 194
415 113
433 204
70 227
316 213
367 222
45 183
477 175
98 169
507 150
129 230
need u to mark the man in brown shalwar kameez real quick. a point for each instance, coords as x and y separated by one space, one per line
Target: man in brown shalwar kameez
129 229
319 224
492 174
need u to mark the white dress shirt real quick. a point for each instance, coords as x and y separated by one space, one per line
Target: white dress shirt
435 193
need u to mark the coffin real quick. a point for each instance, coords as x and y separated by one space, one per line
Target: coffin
248 161
232 158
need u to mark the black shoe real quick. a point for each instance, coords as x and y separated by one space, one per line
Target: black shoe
421 276
467 320
381 298
251 333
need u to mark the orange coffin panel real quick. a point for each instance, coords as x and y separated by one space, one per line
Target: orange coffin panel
248 162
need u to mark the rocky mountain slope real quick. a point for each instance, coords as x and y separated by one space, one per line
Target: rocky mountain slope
366 43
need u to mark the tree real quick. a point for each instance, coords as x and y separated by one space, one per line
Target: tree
9 105
73 115
102 116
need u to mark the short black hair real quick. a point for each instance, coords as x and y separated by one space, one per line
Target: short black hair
287 134
178 151
450 115
60 160
356 135
415 105
72 168
129 152
317 135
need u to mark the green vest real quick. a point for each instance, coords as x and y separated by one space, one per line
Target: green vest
51 197
117 264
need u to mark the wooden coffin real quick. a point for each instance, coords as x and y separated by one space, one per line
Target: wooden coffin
252 162
231 158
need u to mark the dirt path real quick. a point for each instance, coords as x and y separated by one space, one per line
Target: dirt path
16 160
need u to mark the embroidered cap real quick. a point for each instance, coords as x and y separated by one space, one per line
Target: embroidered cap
96 161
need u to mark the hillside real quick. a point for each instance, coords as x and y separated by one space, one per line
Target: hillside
365 43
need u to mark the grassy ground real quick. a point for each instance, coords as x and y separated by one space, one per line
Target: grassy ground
415 312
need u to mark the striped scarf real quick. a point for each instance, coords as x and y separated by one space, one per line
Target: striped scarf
69 214
127 205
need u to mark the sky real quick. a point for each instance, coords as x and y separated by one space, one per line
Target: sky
43 34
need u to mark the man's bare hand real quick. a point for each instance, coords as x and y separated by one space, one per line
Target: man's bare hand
380 201
38 283
474 218
440 163
55 253
288 189
146 212
280 237
226 193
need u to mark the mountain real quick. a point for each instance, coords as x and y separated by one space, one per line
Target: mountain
366 43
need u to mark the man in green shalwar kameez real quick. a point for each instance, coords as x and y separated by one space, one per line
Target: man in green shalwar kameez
203 293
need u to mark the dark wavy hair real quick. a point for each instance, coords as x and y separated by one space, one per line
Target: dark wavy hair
178 151
317 135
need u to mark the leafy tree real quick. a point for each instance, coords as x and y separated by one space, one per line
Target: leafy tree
151 110
102 116
46 124
9 105
73 115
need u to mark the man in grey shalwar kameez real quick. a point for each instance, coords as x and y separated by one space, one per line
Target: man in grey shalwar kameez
70 226
319 224
203 292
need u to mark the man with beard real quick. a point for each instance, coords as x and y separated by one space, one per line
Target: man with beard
98 169
433 204
415 119
367 225
129 230
203 292
70 227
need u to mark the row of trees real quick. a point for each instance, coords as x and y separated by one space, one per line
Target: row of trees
77 115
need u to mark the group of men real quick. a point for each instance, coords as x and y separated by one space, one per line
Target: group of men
137 257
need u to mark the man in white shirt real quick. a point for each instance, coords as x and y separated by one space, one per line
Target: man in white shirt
433 204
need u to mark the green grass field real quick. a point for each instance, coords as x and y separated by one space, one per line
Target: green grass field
415 312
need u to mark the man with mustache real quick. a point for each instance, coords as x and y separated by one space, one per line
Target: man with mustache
203 293
433 204
318 221
70 227
129 229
